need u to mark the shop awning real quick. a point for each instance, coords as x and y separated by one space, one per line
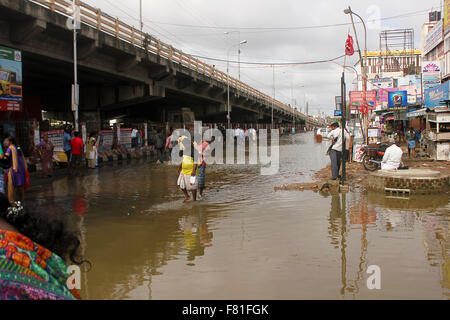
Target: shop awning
417 113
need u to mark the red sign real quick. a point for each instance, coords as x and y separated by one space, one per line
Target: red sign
10 105
357 99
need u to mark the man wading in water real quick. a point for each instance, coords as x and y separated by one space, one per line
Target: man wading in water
188 170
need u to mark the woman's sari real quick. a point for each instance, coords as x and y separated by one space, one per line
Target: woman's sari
46 149
29 271
17 173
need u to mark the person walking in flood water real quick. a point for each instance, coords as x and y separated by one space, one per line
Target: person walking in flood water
188 171
202 169
17 178
77 154
46 149
91 150
336 149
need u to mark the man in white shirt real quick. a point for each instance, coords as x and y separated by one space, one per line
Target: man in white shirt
134 137
336 149
392 157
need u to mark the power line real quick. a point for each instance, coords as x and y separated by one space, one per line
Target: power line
270 63
264 29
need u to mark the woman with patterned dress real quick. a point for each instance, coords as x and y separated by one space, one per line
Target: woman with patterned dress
32 252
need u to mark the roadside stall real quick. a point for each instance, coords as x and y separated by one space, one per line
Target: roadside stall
438 133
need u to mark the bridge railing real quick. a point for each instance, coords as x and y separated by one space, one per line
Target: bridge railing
102 21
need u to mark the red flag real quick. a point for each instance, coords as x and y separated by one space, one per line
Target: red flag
349 50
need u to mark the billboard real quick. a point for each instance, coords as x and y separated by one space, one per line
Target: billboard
398 100
433 38
434 97
357 98
381 83
446 17
431 74
10 79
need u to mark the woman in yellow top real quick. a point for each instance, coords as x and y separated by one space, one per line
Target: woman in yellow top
188 171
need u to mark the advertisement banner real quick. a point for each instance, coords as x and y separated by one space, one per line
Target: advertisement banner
398 100
105 140
412 94
447 17
55 137
380 83
434 97
433 38
10 80
431 74
125 138
357 99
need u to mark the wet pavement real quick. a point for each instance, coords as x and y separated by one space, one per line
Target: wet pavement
246 241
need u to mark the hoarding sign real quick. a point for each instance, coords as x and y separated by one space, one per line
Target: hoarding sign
433 38
125 138
383 95
381 83
431 74
447 17
434 97
398 100
10 79
105 140
56 137
338 113
357 99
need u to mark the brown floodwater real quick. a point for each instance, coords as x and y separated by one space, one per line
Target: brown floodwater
246 241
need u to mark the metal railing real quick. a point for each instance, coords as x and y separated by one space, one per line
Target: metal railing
95 18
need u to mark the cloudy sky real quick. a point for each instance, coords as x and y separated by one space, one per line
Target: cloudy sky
277 32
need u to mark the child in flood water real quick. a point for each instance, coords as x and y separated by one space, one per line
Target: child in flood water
188 170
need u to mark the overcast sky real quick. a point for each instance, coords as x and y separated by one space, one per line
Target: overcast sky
205 21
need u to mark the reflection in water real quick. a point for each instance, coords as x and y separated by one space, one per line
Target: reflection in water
246 241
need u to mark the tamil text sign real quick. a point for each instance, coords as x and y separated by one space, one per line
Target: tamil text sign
357 99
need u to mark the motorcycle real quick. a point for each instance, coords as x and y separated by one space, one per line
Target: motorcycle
372 155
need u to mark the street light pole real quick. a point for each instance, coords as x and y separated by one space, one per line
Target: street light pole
363 69
273 99
239 51
141 24
228 82
75 89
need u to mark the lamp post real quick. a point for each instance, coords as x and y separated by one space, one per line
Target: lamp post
75 87
239 51
292 97
363 69
141 24
228 81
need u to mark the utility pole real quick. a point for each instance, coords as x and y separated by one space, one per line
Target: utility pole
75 87
363 70
141 23
344 120
273 99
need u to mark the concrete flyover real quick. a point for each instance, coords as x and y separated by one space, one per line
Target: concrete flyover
123 72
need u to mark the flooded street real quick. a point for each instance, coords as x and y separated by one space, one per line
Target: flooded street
246 241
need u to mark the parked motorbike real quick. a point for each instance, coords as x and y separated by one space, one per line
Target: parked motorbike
372 155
